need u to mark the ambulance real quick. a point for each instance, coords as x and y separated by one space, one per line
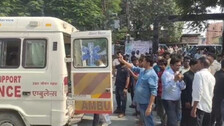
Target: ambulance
50 71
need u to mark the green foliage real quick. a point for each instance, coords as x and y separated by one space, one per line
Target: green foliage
84 14
144 13
119 35
197 6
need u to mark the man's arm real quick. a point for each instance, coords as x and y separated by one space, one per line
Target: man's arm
167 82
153 85
133 75
196 93
149 108
194 109
127 82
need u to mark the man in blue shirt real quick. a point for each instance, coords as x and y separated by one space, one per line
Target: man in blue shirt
172 81
146 87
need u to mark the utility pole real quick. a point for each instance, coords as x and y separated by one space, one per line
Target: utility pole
127 15
155 44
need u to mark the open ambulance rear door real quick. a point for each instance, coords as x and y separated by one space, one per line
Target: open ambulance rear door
91 71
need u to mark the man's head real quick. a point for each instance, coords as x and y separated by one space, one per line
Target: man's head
135 61
193 65
125 58
162 64
175 62
186 62
222 64
211 57
133 53
166 55
203 62
137 52
147 61
119 52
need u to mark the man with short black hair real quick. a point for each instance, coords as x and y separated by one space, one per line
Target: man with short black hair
146 87
121 83
172 83
218 97
186 97
186 66
202 94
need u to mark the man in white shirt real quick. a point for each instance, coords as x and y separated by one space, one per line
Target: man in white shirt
215 65
202 94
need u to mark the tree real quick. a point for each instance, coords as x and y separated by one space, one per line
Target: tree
145 13
84 14
197 6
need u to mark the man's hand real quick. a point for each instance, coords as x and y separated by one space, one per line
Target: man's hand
148 111
120 58
178 77
125 91
193 112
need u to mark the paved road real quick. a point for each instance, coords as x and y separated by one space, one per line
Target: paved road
128 120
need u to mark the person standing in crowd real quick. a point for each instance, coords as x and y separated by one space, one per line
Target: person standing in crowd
218 97
186 98
115 63
172 83
215 65
186 66
198 54
138 54
146 87
159 106
202 94
156 65
121 83
166 56
133 55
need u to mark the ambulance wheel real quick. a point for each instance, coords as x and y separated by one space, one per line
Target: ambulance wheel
10 119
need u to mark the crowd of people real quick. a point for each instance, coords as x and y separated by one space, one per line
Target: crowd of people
183 90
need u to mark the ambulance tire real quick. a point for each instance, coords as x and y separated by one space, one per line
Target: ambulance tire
10 118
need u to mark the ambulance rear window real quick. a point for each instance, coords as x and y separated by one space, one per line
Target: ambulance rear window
91 53
10 53
34 53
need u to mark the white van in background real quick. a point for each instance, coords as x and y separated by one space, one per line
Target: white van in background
34 76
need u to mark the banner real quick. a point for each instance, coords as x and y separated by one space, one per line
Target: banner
142 46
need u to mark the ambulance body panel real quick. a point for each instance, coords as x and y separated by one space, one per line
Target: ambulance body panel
33 72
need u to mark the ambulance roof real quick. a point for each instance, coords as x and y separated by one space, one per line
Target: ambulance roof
8 24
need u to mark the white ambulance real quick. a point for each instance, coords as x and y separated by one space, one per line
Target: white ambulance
38 57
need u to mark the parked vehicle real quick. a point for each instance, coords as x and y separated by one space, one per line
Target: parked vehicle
217 49
34 76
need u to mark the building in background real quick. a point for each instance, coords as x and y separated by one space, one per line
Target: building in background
214 33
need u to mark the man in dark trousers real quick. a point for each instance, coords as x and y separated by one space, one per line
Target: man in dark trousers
186 95
121 83
218 97
202 93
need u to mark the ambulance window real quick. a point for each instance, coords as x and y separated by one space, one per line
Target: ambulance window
34 54
10 53
90 52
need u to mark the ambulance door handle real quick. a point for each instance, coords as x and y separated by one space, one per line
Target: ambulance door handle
107 89
26 93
